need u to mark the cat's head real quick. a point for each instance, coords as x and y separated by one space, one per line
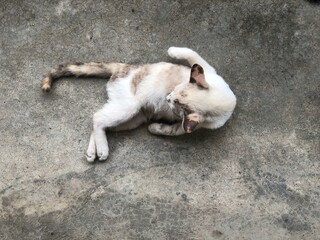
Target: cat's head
192 100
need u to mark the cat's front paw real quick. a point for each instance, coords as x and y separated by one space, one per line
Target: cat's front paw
155 128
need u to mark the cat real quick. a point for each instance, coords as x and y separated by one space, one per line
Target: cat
189 97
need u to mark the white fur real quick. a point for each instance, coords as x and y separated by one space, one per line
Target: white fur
156 94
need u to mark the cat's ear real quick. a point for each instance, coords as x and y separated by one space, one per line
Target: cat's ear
190 122
197 76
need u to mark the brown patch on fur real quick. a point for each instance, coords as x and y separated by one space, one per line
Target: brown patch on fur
138 77
190 122
59 71
122 72
174 73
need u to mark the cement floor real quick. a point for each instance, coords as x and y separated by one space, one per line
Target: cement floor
255 178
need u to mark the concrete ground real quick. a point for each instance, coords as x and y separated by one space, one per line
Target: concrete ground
255 178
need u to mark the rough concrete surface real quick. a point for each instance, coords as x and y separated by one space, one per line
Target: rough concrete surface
255 178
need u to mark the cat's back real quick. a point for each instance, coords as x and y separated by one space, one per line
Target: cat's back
159 78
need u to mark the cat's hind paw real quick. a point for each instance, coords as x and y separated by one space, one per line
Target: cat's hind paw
90 157
103 154
91 154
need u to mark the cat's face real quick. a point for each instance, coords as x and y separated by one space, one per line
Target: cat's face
191 100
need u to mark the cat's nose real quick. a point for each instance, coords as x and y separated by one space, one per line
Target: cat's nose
168 98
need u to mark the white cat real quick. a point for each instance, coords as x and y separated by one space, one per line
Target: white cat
190 98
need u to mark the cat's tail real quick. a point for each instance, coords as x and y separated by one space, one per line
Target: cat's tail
91 69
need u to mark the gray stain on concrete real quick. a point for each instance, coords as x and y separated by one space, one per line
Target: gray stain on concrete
256 178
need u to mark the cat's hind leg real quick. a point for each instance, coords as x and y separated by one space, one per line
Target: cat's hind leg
111 115
133 123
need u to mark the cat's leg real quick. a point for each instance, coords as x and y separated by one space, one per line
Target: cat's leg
111 115
133 123
165 129
191 56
